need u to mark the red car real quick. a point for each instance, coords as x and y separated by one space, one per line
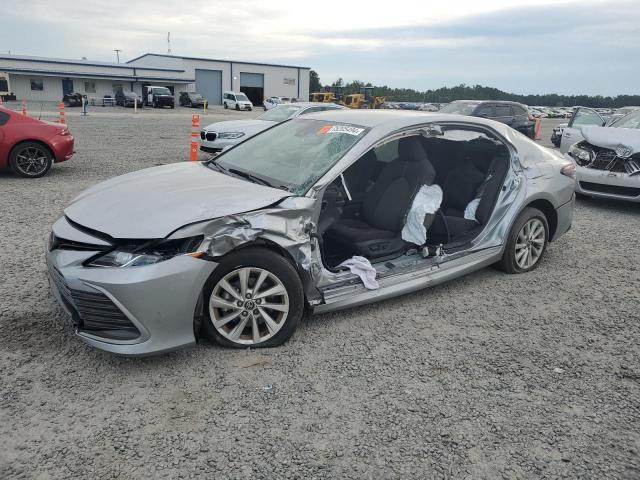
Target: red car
29 146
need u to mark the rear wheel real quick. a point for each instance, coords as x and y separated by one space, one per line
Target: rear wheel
254 298
30 159
225 105
527 242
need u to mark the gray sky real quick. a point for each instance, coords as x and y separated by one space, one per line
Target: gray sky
538 46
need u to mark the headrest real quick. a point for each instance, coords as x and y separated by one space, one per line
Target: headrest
410 149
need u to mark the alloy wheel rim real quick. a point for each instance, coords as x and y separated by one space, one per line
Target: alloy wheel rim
249 305
530 243
31 161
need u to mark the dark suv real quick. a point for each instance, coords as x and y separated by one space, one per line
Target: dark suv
158 97
514 114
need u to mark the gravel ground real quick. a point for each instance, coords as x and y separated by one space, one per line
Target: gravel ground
488 376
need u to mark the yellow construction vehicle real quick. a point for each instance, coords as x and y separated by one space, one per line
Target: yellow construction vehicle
364 99
323 97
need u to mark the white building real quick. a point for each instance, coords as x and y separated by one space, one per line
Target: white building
48 79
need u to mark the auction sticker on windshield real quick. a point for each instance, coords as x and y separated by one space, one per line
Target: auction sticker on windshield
355 131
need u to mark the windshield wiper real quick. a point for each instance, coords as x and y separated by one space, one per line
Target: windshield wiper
212 162
249 177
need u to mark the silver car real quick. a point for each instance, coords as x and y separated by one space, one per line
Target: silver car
608 158
217 136
318 213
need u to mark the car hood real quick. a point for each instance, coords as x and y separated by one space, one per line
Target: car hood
154 202
246 126
611 137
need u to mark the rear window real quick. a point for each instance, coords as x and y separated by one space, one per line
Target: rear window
460 108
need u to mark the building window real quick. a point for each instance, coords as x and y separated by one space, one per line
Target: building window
90 87
37 85
289 81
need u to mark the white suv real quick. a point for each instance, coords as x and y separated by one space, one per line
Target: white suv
239 101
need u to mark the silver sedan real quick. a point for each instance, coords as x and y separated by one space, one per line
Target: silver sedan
318 213
217 136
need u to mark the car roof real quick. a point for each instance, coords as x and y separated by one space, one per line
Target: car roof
332 106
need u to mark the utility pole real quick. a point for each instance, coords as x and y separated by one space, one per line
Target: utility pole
117 50
168 43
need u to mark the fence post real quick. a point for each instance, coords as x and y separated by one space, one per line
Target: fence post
205 107
195 132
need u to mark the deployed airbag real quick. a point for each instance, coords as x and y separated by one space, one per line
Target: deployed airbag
470 211
427 201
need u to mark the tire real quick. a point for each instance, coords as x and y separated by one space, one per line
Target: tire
172 106
535 219
30 160
282 324
237 107
225 105
155 105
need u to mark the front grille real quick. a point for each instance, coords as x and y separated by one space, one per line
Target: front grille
613 189
57 243
211 136
95 312
608 160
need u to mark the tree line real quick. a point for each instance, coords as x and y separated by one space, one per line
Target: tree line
475 92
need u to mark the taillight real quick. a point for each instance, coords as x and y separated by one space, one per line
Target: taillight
569 170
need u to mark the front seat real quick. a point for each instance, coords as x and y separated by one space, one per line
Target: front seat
376 233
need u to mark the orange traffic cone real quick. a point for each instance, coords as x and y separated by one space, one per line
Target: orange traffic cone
195 131
61 107
24 106
538 129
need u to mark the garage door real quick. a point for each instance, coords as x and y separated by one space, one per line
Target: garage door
252 85
209 85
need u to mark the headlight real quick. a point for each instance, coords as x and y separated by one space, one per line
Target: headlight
138 254
230 135
581 155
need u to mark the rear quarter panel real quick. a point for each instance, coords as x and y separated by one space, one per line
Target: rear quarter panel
17 130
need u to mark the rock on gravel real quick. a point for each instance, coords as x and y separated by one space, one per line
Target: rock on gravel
490 376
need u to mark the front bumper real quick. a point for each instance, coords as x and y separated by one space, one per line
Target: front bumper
148 309
218 144
606 184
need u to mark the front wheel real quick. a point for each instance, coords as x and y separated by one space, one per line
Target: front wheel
527 242
30 159
254 298
237 107
225 105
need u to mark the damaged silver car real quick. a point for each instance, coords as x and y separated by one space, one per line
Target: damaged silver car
318 213
608 158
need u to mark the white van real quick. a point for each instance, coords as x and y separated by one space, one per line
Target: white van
239 101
